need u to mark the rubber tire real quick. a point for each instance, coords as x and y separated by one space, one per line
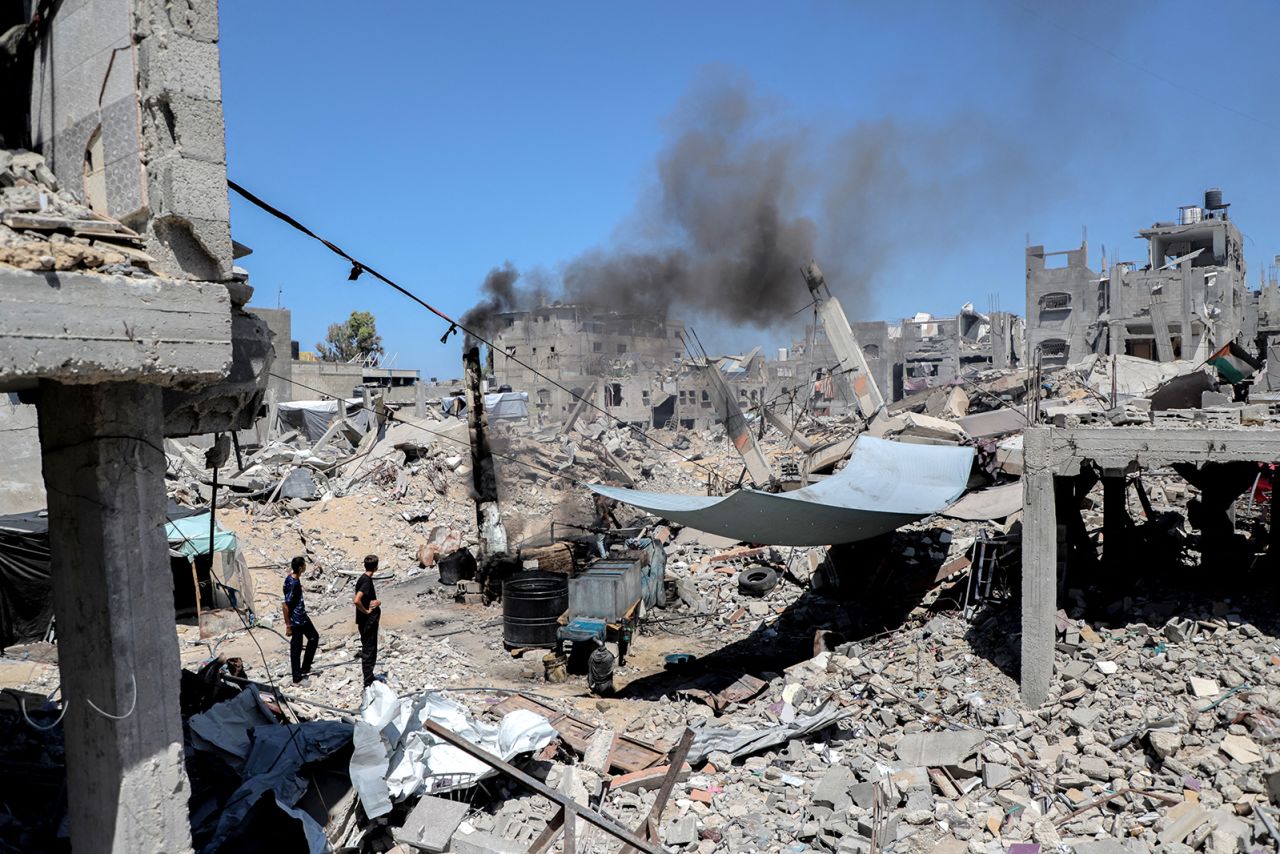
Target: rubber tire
757 580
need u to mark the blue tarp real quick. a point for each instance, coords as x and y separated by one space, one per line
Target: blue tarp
190 536
884 486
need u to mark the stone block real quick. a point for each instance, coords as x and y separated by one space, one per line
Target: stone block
931 749
833 789
431 824
478 842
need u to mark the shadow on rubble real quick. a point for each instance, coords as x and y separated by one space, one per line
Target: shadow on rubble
1150 586
862 590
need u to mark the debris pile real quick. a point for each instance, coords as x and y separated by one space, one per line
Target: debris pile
43 227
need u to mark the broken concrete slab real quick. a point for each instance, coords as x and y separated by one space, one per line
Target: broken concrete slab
931 749
431 824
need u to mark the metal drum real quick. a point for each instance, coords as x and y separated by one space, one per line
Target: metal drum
532 603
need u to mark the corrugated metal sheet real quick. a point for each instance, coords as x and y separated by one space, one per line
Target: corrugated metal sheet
884 485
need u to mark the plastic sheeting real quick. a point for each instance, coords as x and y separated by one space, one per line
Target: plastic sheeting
511 405
26 587
313 417
396 758
884 486
190 536
277 756
739 743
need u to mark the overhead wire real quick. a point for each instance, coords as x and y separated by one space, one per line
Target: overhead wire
358 267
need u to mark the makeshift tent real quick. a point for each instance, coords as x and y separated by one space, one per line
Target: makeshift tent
231 585
313 417
884 486
507 405
26 584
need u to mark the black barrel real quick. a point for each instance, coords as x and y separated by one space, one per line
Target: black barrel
532 603
457 566
1213 199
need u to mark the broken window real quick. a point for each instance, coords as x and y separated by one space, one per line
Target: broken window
622 348
1055 301
613 394
644 397
706 399
544 397
597 347
871 351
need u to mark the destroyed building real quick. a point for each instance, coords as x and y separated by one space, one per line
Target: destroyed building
1185 299
921 352
1006 611
639 368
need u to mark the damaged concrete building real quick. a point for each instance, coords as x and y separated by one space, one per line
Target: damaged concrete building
1184 300
122 321
921 352
638 368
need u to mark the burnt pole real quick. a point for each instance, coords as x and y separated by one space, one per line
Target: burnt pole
492 535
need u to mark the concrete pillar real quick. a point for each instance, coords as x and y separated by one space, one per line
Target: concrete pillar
1039 569
103 460
419 400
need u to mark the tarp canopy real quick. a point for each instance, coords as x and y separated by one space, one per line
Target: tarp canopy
190 536
884 486
26 601
313 417
507 404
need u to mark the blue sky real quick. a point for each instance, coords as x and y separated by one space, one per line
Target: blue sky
438 141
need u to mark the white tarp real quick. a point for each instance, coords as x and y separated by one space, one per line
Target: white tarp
395 758
884 486
507 405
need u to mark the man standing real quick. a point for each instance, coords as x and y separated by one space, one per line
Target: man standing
368 612
297 625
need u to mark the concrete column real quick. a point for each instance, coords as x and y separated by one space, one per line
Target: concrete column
1039 569
104 466
419 400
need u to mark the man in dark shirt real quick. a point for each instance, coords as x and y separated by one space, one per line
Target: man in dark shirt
368 612
297 625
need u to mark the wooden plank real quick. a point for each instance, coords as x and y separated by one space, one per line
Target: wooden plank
572 810
649 827
548 835
39 222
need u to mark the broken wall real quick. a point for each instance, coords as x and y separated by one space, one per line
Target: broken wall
127 107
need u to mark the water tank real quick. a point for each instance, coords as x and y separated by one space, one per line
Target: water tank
1213 199
782 354
1188 214
532 603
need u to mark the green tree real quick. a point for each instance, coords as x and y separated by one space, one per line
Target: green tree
355 339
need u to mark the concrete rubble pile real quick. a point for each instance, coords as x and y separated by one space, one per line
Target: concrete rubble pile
43 227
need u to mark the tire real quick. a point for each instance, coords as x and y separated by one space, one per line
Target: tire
757 580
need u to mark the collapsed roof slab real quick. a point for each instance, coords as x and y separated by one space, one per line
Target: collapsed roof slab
80 328
1051 452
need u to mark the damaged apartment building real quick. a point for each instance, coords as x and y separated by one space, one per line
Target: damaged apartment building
918 353
122 323
639 368
1187 298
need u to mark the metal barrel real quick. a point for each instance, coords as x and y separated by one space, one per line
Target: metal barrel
532 603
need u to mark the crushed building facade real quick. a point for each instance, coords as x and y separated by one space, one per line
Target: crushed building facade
1186 299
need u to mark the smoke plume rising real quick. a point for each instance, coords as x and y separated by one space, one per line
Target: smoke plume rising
743 196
